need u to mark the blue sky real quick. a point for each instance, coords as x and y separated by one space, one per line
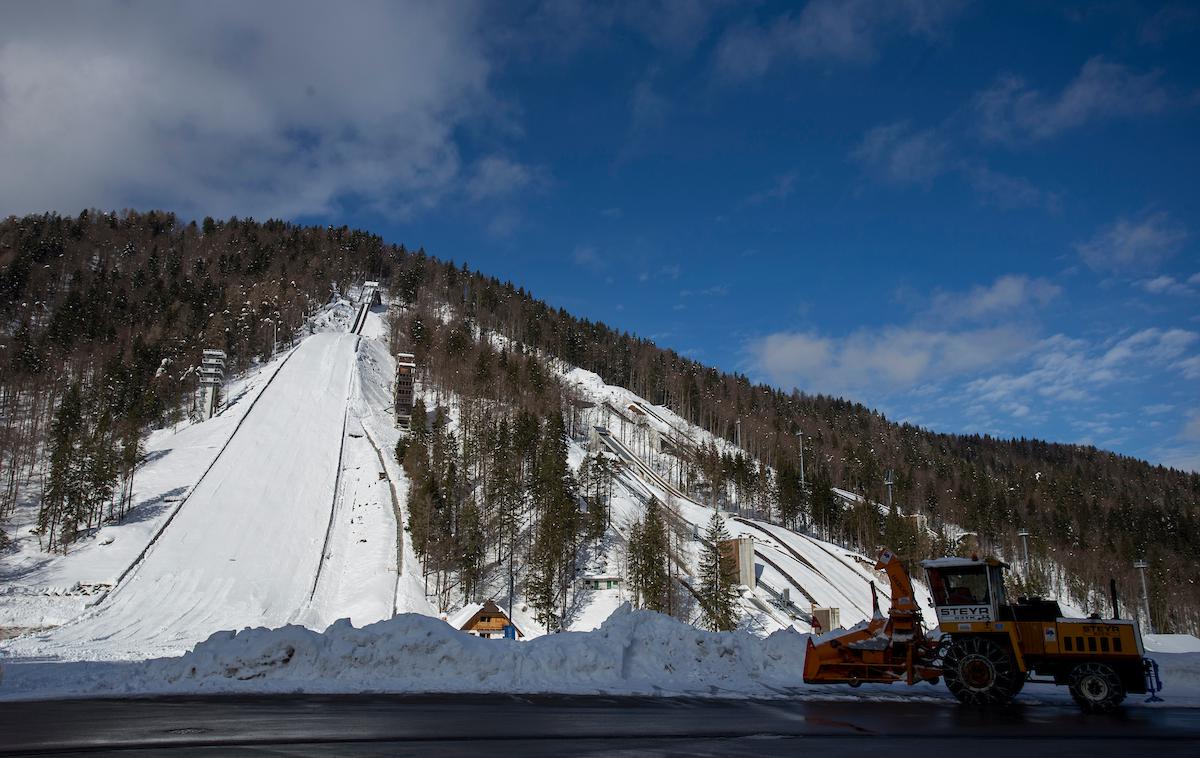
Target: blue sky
975 217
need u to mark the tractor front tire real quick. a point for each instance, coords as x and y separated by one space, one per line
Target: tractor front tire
1096 687
981 672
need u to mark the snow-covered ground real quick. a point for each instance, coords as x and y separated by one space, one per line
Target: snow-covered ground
39 590
632 652
245 547
283 516
277 513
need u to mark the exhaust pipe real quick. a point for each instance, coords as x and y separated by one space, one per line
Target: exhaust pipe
1112 587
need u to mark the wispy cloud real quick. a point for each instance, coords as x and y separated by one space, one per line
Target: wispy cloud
872 362
1008 294
844 31
497 176
587 257
1005 191
900 154
718 290
1169 285
1171 20
1011 112
903 155
1065 369
1139 244
783 187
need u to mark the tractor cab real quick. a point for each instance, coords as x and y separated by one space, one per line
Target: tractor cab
966 589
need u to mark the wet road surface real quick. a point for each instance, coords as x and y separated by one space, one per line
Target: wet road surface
311 725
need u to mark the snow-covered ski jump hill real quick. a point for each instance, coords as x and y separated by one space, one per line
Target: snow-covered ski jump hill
256 531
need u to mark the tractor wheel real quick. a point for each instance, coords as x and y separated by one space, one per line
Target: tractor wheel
980 672
1096 687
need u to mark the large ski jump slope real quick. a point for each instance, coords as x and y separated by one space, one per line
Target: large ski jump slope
246 546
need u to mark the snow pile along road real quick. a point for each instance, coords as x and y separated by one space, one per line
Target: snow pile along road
632 652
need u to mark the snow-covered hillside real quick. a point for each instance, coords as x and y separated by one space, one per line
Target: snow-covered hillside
283 509
795 571
287 512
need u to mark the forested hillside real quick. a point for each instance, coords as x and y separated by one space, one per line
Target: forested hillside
104 317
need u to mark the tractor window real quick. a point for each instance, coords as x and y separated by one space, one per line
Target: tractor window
959 587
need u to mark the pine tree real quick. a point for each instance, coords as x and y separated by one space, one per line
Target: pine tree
471 549
717 579
58 489
554 494
648 557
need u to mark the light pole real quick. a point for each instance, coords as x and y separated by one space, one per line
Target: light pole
801 436
803 498
1141 566
1024 535
274 334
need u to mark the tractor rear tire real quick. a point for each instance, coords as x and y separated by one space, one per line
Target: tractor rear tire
981 672
1096 687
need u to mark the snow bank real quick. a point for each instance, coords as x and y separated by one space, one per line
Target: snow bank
632 652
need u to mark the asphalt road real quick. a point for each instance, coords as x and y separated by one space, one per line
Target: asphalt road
578 726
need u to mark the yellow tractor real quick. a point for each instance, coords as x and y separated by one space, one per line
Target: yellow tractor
985 647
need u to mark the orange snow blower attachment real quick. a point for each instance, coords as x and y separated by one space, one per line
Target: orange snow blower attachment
886 649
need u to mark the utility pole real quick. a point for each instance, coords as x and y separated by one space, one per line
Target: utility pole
274 334
738 425
1025 535
888 481
1141 566
801 435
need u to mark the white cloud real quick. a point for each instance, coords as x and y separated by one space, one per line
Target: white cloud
1155 345
1140 244
1011 112
1190 367
847 31
880 361
1006 295
1191 428
264 108
783 187
1166 285
1006 192
1071 370
1172 19
902 155
586 256
717 290
1155 409
496 176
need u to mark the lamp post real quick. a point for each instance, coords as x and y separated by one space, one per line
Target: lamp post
1024 535
800 434
274 334
803 498
1141 566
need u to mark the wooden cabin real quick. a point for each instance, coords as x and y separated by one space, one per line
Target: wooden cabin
487 621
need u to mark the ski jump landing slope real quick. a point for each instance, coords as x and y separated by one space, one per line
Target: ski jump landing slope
245 548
